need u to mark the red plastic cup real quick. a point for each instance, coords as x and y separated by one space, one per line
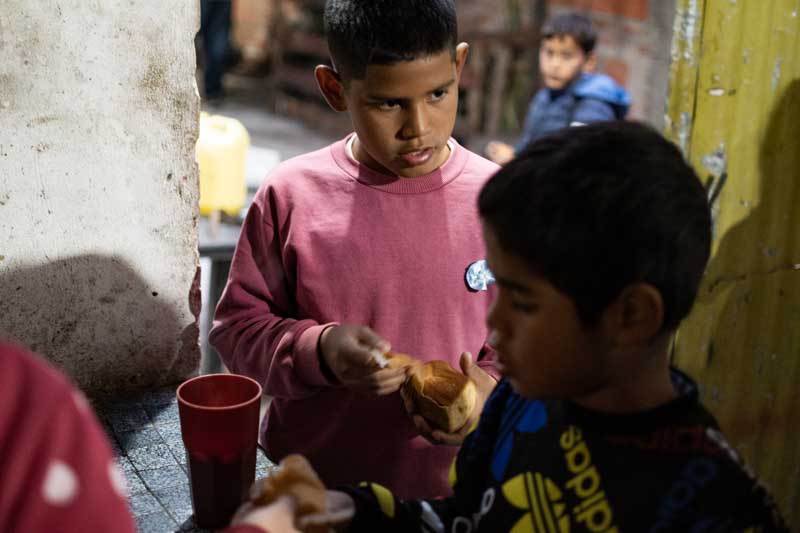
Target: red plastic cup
219 426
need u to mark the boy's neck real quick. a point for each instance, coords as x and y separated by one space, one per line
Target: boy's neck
646 387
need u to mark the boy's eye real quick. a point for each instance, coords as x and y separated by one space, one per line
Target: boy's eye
523 307
388 104
438 94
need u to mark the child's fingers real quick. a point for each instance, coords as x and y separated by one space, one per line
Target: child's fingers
452 439
388 388
386 381
277 516
465 362
457 437
356 355
371 340
408 403
339 511
425 429
242 512
257 489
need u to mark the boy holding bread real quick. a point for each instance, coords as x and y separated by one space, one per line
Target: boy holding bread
598 238
365 246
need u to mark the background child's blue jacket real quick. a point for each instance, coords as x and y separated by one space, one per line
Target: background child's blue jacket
590 98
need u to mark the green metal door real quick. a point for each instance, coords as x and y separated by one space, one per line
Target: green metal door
734 108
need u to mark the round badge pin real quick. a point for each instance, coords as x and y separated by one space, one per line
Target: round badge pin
478 276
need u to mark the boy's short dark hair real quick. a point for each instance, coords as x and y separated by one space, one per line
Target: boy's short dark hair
365 32
595 208
574 25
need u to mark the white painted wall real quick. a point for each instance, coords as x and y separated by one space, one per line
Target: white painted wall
98 187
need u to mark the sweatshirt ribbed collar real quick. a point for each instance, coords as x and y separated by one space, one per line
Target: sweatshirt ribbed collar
398 185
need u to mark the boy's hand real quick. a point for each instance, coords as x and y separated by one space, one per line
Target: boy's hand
499 152
484 383
279 516
339 512
275 517
349 352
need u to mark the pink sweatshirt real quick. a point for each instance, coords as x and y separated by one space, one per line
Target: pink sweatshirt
328 240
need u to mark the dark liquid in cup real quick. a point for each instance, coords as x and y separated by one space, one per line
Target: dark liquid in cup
218 488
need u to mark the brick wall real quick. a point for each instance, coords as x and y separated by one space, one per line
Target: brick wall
633 47
630 9
252 25
634 44
634 40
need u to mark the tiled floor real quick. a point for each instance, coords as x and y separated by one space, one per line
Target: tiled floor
145 432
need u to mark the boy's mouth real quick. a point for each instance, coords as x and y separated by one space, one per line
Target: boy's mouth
417 157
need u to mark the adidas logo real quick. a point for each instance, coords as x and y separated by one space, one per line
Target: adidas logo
535 493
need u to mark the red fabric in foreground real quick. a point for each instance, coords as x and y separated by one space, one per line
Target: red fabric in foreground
58 471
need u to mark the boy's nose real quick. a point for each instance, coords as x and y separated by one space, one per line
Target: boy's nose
416 123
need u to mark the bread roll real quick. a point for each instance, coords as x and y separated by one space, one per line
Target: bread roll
443 396
296 478
398 360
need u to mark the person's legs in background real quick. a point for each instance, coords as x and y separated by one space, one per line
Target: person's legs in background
215 26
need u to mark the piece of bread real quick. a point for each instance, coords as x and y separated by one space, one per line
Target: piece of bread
398 360
296 478
443 396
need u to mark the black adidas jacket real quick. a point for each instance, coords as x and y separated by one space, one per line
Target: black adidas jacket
553 467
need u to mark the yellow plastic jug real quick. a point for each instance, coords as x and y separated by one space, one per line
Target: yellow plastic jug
221 154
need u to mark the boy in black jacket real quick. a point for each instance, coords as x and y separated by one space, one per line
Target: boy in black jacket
598 238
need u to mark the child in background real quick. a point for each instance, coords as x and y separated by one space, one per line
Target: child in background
572 94
598 238
362 246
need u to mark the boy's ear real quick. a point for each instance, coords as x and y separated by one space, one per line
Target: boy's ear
332 88
590 65
637 314
462 51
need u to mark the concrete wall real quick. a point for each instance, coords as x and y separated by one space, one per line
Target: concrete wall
98 187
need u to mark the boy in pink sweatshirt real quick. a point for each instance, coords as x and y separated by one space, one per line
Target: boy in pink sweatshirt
369 244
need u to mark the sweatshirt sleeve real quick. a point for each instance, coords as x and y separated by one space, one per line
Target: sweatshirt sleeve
377 509
589 110
256 330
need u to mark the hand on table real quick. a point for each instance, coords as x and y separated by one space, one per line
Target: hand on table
484 383
349 350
